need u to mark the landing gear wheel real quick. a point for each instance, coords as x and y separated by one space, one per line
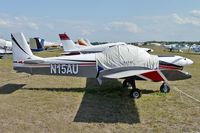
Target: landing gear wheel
164 88
130 84
135 93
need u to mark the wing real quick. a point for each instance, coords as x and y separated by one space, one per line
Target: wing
145 74
173 75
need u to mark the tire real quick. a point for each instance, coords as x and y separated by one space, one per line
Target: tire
164 88
135 93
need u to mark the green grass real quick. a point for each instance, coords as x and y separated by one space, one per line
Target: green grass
34 103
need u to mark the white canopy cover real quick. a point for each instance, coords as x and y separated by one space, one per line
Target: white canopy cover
126 56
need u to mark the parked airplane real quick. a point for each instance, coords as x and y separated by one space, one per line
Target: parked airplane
52 44
176 47
84 42
71 48
195 48
39 44
36 44
5 47
118 62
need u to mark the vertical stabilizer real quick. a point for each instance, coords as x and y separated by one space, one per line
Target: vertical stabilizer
21 49
68 44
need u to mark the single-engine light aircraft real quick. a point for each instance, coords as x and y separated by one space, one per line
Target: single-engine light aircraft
118 62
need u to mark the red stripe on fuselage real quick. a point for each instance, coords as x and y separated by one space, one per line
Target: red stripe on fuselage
46 65
169 67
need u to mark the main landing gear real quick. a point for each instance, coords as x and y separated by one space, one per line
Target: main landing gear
164 88
130 84
136 93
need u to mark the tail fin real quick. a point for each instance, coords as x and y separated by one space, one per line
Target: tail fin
88 42
68 44
20 47
36 44
84 42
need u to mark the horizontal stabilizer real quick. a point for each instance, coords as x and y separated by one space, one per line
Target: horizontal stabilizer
71 53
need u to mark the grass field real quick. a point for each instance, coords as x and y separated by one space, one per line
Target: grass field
33 103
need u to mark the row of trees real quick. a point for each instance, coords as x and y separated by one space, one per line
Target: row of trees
161 42
174 42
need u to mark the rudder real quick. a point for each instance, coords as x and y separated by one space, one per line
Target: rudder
68 44
20 47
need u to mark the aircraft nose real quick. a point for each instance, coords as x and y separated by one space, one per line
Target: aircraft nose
189 62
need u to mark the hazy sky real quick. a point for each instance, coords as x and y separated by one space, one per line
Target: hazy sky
102 20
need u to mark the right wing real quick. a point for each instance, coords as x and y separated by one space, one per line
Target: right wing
144 73
172 75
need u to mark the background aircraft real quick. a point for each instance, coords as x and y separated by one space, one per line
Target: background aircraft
118 62
195 48
84 42
39 44
177 47
36 44
71 48
5 47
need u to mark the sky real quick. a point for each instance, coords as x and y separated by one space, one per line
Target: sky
102 20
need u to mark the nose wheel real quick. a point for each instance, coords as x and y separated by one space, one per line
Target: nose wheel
130 84
164 88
